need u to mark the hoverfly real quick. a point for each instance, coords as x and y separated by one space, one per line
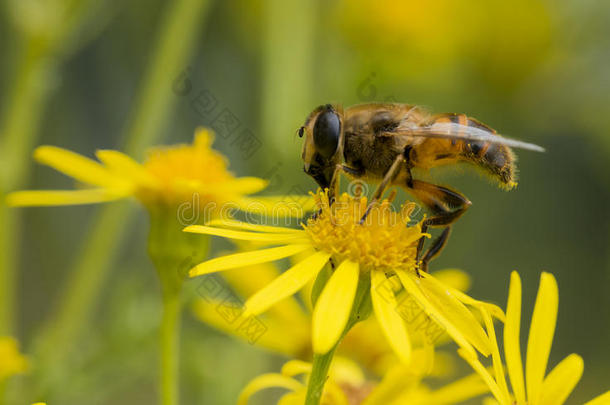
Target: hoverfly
383 142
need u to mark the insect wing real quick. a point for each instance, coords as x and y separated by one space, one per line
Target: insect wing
468 133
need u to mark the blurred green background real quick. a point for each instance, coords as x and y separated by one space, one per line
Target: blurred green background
98 74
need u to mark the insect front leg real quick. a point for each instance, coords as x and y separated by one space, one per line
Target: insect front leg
333 190
446 206
389 176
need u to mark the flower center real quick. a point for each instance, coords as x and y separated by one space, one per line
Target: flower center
383 241
182 170
196 162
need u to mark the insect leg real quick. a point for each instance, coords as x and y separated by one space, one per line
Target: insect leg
436 248
389 176
334 183
333 190
446 206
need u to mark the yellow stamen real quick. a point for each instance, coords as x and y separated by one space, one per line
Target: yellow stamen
383 240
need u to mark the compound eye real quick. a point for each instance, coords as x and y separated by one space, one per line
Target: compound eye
326 133
301 132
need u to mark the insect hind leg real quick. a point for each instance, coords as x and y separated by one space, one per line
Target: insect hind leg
446 206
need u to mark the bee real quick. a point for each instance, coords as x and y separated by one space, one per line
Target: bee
382 143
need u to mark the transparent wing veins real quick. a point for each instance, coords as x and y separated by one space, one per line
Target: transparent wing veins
467 133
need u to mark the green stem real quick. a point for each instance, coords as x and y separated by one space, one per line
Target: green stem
9 236
166 247
18 133
171 250
361 309
2 392
170 344
318 377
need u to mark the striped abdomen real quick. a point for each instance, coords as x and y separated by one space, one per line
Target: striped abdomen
497 160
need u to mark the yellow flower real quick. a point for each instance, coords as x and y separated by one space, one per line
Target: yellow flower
533 388
181 174
347 384
287 325
12 362
380 252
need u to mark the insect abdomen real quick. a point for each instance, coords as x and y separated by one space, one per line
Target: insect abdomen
496 160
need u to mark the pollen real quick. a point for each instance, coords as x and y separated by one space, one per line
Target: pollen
387 239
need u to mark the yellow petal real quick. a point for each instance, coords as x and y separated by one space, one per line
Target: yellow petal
456 312
204 138
35 198
458 391
603 399
293 398
307 202
495 355
123 165
540 339
346 371
246 259
392 325
334 306
289 311
395 380
444 364
12 361
560 382
512 345
287 283
493 309
476 365
454 278
276 206
259 275
76 166
447 311
231 223
296 367
334 394
423 359
241 185
240 235
267 381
